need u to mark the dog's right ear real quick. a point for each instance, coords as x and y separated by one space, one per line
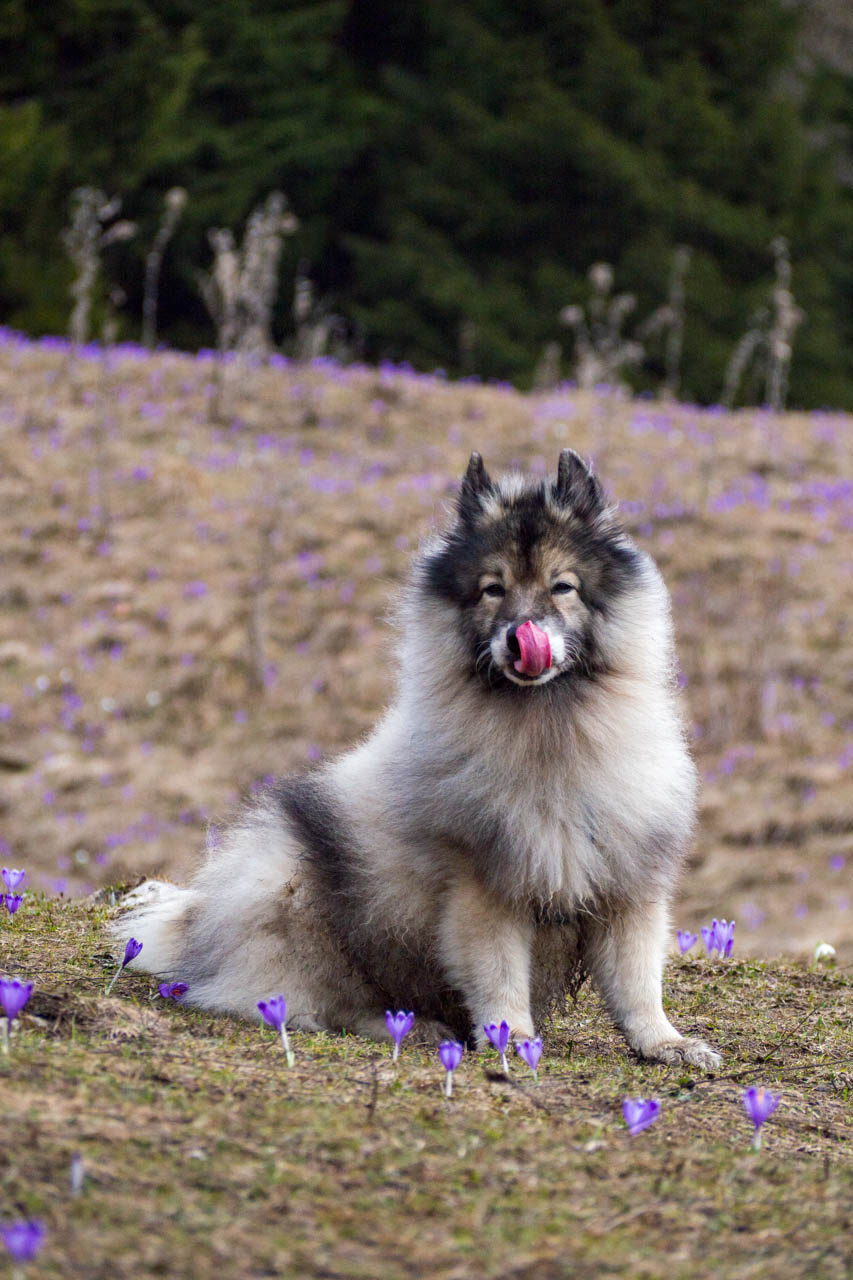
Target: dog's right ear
577 487
476 484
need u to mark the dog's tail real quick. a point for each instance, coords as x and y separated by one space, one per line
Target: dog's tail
154 914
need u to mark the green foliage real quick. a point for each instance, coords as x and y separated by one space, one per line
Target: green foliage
456 167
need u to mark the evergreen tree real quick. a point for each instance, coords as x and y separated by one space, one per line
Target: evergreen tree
456 167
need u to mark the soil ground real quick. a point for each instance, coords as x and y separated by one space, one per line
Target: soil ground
197 572
199 1155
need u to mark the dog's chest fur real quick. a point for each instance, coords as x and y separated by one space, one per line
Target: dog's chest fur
557 814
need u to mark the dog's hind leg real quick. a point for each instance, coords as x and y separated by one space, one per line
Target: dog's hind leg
625 957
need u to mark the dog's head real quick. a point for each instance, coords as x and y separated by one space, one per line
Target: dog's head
530 569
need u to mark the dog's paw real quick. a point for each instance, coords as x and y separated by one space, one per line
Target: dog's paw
430 1033
686 1051
146 894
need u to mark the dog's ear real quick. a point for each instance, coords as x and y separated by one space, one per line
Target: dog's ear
476 483
577 487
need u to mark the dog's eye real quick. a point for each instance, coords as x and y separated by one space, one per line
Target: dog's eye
494 590
562 588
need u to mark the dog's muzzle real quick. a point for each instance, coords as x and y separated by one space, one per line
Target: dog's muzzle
530 648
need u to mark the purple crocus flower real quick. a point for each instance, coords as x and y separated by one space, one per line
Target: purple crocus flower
725 937
531 1052
399 1025
719 937
274 1011
13 901
639 1113
131 951
450 1053
173 990
498 1039
12 877
686 940
13 996
23 1239
760 1105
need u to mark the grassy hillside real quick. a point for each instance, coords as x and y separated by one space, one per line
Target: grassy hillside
196 576
204 1156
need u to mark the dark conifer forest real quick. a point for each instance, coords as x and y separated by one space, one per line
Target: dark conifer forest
456 167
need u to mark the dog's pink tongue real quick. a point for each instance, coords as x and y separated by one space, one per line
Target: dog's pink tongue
535 650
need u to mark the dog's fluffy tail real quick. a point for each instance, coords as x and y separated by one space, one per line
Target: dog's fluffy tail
153 914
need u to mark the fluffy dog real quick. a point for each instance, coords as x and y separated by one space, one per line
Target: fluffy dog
515 821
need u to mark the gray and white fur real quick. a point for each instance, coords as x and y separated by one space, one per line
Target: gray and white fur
501 833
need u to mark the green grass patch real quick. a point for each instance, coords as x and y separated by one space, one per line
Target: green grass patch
206 1157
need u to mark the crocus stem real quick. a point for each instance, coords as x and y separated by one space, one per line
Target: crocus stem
287 1049
756 1141
503 1064
395 1055
113 980
448 1084
4 1043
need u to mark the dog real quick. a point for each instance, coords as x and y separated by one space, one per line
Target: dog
515 822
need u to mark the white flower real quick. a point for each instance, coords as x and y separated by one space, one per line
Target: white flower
823 951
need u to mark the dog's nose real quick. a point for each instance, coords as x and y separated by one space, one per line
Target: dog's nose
512 643
533 648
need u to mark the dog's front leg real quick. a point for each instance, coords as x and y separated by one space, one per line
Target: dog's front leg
485 951
625 956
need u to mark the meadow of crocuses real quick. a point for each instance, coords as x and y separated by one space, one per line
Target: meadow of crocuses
199 560
147 1138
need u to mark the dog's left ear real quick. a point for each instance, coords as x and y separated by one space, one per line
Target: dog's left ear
476 483
577 487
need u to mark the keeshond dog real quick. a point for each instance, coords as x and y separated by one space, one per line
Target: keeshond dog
515 822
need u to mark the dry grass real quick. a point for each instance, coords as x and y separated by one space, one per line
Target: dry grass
190 605
135 700
205 1157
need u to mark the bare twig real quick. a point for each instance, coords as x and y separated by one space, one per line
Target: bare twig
175 201
84 240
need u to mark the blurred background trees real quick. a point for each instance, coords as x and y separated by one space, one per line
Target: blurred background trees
456 165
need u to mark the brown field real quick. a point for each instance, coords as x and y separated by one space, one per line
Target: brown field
196 580
194 592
